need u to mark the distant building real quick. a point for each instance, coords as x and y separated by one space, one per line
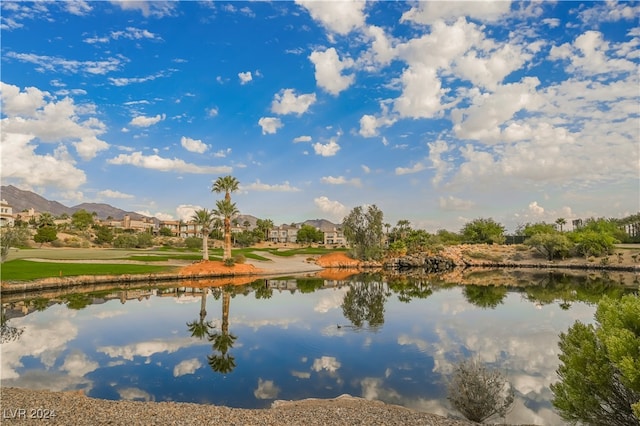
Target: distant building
284 234
6 214
334 236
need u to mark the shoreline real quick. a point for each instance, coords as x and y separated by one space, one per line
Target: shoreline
277 266
74 408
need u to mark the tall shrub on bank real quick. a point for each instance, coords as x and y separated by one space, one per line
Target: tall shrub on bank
599 368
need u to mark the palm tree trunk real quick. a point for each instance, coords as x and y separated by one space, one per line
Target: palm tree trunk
227 239
205 246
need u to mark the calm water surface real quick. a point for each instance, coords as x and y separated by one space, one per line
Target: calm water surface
292 339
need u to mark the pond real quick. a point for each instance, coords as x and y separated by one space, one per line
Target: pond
390 339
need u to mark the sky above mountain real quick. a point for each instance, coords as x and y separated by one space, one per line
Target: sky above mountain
437 112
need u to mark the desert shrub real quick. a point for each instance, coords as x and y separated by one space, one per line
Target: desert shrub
125 241
479 393
57 243
239 259
599 370
229 261
144 240
193 242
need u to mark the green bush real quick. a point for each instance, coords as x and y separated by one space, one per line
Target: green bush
239 259
193 242
593 243
125 241
600 367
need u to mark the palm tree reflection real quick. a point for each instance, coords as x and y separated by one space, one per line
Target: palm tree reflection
200 328
221 361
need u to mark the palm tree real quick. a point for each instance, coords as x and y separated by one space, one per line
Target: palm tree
561 221
204 219
226 209
226 184
45 219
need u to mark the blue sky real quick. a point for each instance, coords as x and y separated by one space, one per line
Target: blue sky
437 112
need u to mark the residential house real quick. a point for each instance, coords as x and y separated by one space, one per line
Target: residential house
334 236
284 234
6 214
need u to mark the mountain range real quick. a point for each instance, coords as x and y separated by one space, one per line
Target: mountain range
22 200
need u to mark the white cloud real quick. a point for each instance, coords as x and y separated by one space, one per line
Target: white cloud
302 139
245 77
341 180
535 209
55 64
340 17
21 163
154 8
145 349
193 145
365 168
417 167
329 70
328 149
270 125
266 390
263 187
286 102
142 121
185 211
482 120
78 364
335 209
326 363
135 394
155 162
431 12
29 113
212 112
369 124
108 193
188 366
453 203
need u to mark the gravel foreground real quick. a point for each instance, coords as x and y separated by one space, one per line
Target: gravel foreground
23 406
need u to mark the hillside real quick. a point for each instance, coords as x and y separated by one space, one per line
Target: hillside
24 200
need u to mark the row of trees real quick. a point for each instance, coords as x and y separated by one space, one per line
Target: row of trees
363 229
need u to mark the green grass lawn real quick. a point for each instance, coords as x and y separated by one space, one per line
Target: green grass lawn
24 270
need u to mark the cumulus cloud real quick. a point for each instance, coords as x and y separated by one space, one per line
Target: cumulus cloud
335 209
78 364
329 69
108 193
287 102
245 77
431 12
153 8
328 149
156 162
302 139
188 366
263 187
142 121
185 211
193 145
535 209
454 203
31 113
270 125
341 180
340 17
326 363
266 389
417 167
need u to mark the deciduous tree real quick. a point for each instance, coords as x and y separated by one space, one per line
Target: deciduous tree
363 230
483 230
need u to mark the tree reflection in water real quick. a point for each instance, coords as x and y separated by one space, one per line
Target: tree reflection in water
220 360
364 303
485 296
7 332
200 328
